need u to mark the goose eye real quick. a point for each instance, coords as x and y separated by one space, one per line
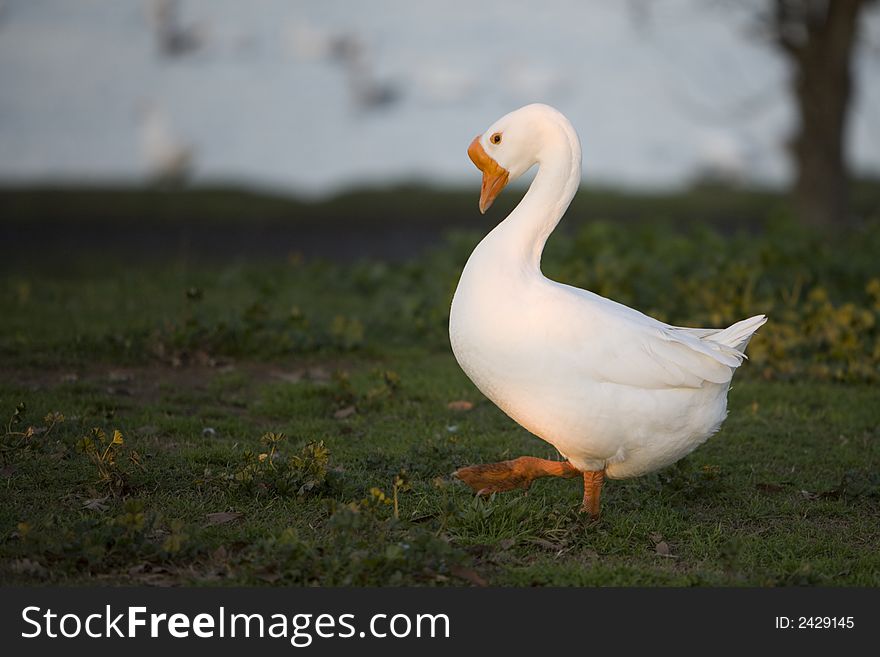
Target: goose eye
496 138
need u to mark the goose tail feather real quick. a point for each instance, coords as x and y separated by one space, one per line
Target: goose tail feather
738 335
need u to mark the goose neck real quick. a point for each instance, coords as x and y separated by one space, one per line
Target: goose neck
525 231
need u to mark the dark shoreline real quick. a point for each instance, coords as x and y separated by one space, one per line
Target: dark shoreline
219 225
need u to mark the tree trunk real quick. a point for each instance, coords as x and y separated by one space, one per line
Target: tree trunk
819 38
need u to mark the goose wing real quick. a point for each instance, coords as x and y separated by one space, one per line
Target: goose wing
612 343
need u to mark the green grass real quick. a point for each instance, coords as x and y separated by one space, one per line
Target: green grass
787 493
194 365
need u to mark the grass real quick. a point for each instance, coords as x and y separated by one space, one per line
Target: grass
787 493
201 369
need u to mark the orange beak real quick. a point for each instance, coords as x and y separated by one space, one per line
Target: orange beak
495 176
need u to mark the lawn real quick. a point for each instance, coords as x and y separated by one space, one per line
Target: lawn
296 422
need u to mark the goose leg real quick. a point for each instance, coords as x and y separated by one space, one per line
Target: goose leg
593 481
516 473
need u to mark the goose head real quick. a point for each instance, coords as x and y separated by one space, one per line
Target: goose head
514 144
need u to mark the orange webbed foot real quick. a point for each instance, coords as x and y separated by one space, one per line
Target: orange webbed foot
499 477
491 478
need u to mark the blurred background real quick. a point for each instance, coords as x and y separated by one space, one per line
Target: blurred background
311 99
163 134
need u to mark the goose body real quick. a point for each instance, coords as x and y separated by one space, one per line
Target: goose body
614 390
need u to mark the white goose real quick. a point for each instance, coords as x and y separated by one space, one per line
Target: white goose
618 393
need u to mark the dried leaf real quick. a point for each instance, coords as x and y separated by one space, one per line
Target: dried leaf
139 569
95 504
151 575
460 405
223 517
343 413
468 574
662 548
28 567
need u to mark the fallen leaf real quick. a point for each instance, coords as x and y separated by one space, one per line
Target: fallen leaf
662 548
223 517
28 567
151 575
656 537
145 567
460 405
468 574
95 504
343 413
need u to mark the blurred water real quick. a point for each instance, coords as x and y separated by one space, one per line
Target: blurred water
262 92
